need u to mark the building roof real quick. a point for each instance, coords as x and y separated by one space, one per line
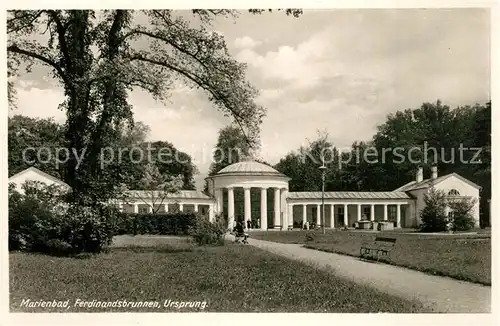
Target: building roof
249 168
413 185
40 172
349 195
182 194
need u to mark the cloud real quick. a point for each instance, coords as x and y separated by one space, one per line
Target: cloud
40 103
303 65
245 42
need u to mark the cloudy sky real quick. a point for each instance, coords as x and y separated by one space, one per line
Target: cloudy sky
342 71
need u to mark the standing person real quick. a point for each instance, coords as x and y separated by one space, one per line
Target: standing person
249 224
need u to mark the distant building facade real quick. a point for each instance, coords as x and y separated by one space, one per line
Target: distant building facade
278 208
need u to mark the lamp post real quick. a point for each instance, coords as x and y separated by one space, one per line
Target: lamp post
323 171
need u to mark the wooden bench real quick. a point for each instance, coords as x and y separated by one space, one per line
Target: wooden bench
380 247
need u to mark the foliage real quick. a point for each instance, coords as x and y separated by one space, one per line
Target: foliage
34 216
310 237
204 232
232 147
290 11
163 224
58 247
26 136
433 215
462 218
95 57
157 187
170 162
41 221
302 166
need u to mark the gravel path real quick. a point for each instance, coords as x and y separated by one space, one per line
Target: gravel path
441 294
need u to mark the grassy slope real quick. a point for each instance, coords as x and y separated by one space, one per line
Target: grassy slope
231 279
463 257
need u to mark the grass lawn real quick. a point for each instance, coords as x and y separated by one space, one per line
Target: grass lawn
231 278
464 257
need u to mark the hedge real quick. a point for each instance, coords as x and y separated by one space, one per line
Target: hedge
164 224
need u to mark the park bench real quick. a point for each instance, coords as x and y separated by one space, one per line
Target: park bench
380 247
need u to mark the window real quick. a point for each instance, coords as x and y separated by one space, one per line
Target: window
450 214
453 192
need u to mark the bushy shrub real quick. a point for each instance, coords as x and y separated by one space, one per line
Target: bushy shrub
204 232
462 218
40 220
58 247
90 229
310 236
34 216
433 216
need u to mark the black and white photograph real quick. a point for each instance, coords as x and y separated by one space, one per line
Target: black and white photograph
273 160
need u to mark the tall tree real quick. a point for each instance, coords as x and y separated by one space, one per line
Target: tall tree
156 187
232 147
172 162
134 134
481 138
302 166
436 130
96 58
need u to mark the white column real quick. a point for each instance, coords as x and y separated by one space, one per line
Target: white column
165 207
346 213
230 208
372 212
136 208
398 215
318 214
196 208
218 200
263 209
248 208
304 214
211 213
150 208
290 215
276 208
284 209
332 216
359 212
385 212
181 207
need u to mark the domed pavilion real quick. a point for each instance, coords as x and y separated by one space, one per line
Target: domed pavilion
251 176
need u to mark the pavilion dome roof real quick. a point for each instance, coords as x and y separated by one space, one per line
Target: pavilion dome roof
249 167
